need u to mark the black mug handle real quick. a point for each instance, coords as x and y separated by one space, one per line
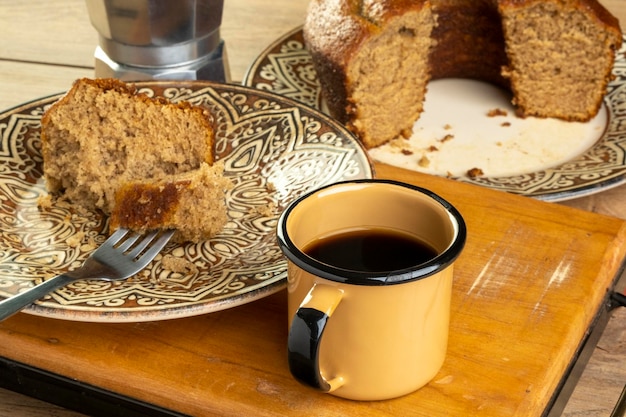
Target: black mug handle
305 337
617 299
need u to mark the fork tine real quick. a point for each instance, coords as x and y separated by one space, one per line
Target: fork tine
139 247
154 249
130 241
117 236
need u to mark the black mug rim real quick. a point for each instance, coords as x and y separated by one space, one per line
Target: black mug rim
347 276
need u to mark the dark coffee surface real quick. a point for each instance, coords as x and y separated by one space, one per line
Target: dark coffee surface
372 250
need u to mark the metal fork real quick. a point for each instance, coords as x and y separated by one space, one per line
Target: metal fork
121 256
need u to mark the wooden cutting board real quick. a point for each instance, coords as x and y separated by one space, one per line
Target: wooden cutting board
527 287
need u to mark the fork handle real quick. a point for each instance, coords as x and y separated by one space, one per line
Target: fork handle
16 303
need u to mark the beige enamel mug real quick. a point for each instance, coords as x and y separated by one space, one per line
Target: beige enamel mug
356 329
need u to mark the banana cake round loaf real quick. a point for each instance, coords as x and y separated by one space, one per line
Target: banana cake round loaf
374 58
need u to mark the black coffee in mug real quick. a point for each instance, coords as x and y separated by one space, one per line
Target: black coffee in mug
371 250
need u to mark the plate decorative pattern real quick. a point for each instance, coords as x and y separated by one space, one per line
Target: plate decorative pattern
273 148
286 67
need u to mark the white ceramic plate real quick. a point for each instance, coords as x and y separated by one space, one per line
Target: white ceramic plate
543 158
274 149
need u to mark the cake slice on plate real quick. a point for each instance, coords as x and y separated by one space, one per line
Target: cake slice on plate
146 162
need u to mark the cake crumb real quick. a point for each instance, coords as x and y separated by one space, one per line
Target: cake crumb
270 187
475 172
505 124
424 162
45 201
179 265
446 138
91 245
496 112
401 145
265 210
75 240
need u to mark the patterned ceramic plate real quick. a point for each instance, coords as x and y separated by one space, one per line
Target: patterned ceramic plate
471 126
274 149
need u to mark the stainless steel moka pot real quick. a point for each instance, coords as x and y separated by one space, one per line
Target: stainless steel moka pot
159 39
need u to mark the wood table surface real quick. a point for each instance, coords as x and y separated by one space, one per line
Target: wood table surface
512 337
